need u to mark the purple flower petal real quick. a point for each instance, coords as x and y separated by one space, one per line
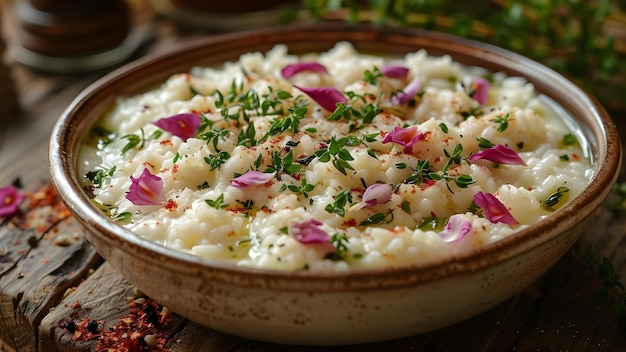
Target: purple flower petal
494 210
378 193
184 126
10 200
409 92
146 189
499 154
394 71
293 69
308 232
326 97
252 178
480 87
404 136
456 228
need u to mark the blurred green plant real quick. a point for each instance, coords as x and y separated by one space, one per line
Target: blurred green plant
611 289
582 39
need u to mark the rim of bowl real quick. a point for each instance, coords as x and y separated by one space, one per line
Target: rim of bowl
79 116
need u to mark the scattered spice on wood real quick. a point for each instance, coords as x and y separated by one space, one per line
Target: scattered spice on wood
81 330
137 331
43 207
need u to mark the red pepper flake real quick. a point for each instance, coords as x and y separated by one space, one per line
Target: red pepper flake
396 230
45 196
166 142
77 305
171 205
427 183
349 223
138 331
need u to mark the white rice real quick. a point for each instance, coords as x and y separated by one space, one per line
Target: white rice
256 237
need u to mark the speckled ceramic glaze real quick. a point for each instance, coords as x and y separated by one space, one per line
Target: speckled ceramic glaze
333 308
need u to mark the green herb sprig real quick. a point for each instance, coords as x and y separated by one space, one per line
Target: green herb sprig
217 203
338 153
342 199
134 141
100 177
284 164
304 188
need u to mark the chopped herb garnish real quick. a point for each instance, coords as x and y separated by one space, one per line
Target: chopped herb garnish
304 188
248 204
378 219
156 134
290 122
100 137
339 155
341 200
246 136
454 158
339 241
569 139
400 166
214 136
475 209
420 174
284 164
372 76
556 199
218 203
348 112
475 111
99 177
216 160
123 216
502 121
243 242
133 141
406 207
484 143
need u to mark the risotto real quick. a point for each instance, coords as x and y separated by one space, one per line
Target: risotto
333 161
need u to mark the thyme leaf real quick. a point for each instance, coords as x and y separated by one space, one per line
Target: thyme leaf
341 200
217 203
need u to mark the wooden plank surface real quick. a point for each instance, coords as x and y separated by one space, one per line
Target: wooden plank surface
56 294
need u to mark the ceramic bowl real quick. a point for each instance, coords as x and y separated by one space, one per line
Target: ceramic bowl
333 307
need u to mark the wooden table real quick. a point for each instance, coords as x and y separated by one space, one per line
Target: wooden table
49 274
